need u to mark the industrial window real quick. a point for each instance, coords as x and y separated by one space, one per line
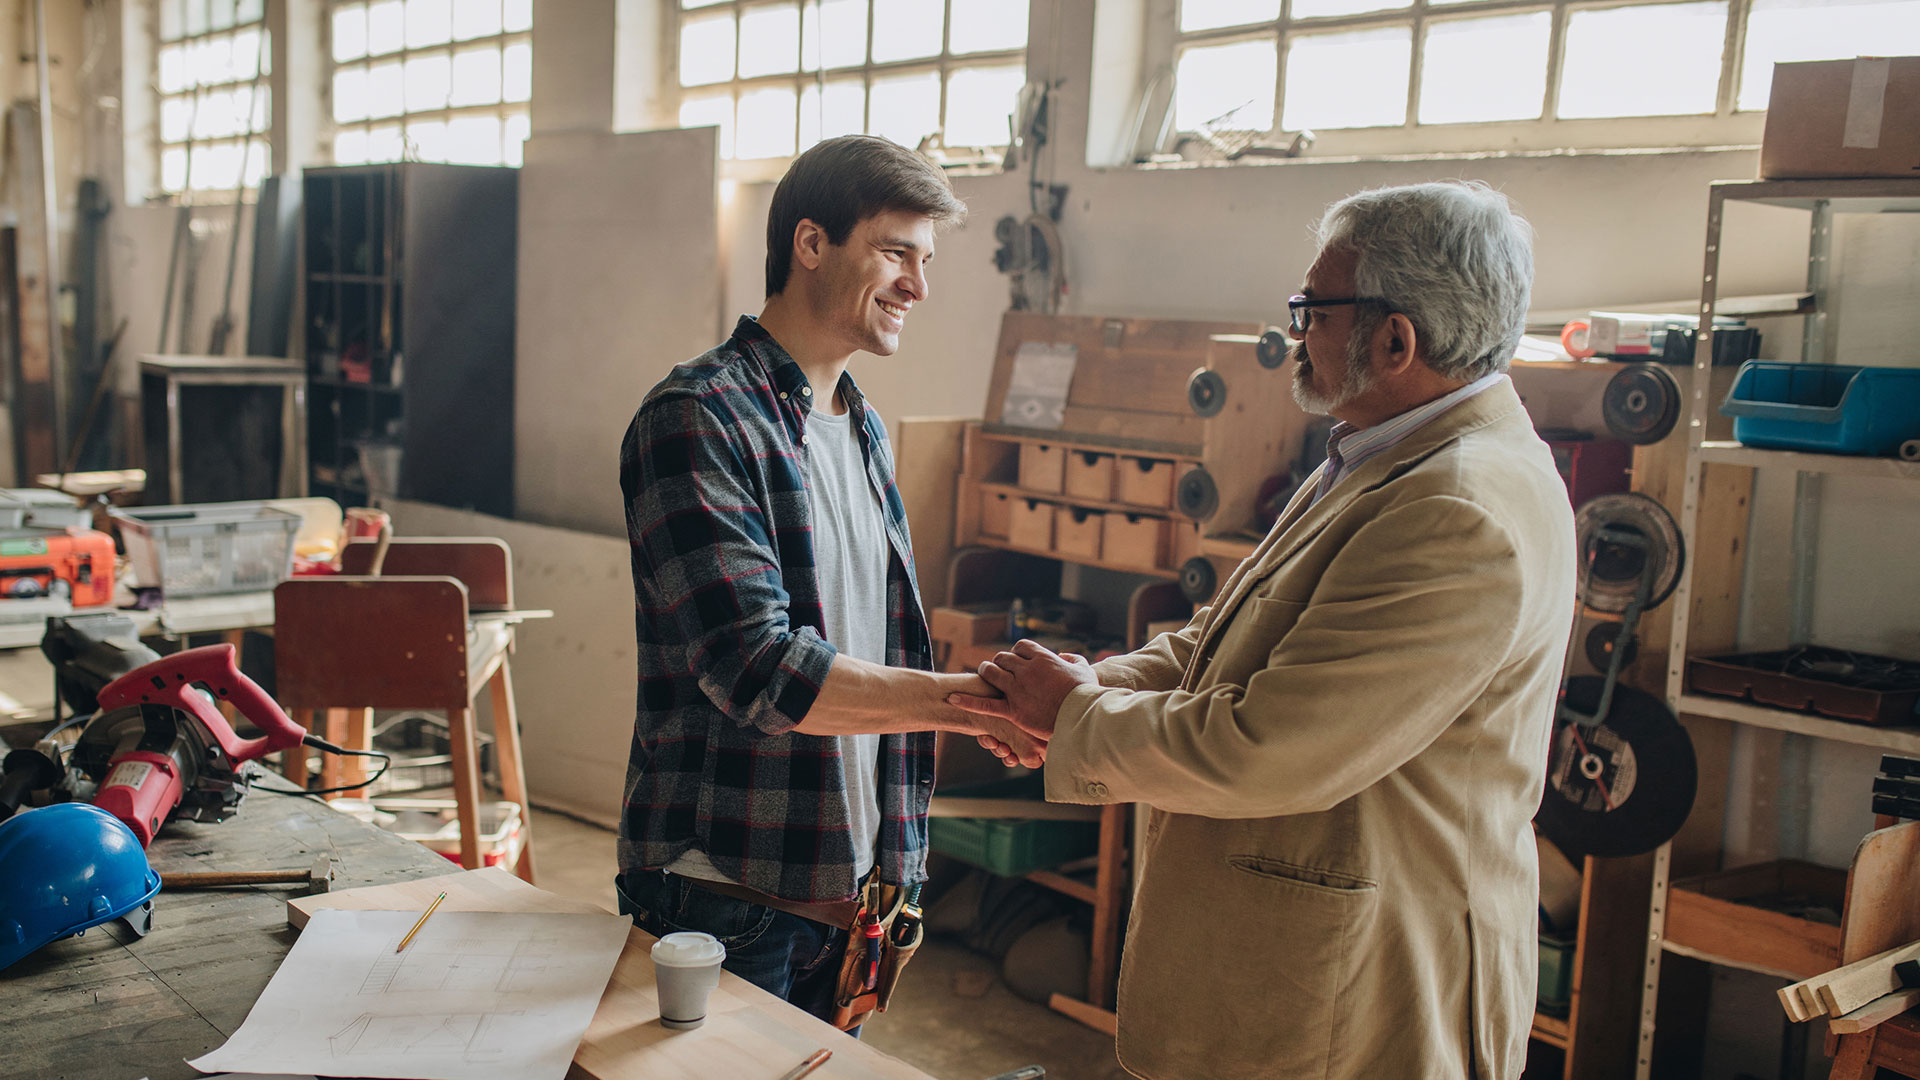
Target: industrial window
1385 76
430 80
778 77
211 67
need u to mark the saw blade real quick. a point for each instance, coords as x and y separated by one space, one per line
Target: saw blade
1623 786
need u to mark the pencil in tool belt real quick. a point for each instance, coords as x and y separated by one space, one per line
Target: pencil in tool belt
814 1061
421 923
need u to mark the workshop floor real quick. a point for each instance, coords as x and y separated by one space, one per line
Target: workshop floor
952 1017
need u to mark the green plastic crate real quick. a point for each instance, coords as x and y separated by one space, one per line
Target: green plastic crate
1011 847
1556 974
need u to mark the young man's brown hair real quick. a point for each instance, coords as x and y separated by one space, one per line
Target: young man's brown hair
841 182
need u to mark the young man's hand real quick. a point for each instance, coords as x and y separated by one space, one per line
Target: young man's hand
1010 744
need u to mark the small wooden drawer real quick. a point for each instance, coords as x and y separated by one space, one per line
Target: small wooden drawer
1089 475
1144 482
1043 467
1135 540
1076 532
996 514
1031 525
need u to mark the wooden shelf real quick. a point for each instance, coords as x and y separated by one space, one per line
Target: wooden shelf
1876 195
1017 492
1064 885
1552 1030
1735 307
1082 440
1733 453
1899 740
1150 571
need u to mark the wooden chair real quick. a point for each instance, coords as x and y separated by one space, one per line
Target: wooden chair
419 636
1882 912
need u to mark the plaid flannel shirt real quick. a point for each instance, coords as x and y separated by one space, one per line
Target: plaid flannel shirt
728 623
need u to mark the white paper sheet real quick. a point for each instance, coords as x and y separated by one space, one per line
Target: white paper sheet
475 996
1037 390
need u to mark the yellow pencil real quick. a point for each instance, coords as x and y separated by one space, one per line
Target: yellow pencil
421 923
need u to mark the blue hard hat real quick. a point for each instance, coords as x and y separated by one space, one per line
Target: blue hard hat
64 868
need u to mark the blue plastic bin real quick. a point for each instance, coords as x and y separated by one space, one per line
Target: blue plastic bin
1825 408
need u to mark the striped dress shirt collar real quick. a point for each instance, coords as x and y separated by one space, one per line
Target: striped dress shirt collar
1349 446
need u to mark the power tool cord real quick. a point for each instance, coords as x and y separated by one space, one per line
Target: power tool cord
325 747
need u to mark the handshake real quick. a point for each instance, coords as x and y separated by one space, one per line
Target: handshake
1011 703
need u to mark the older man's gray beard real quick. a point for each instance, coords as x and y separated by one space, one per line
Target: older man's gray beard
1359 378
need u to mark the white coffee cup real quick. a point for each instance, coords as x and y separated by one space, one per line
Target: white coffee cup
686 968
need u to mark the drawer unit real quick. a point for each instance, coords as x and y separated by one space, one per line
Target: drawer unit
1143 482
1090 475
1135 540
996 514
1043 467
1032 524
1076 532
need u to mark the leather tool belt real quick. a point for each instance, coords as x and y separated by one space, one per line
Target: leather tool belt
883 936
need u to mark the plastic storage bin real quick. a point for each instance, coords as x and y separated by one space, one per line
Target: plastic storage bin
208 548
1825 408
1011 847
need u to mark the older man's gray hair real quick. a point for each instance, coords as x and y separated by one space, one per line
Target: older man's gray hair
1453 257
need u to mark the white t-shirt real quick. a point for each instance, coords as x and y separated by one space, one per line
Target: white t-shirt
850 556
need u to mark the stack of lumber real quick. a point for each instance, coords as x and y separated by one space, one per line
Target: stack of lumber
1859 995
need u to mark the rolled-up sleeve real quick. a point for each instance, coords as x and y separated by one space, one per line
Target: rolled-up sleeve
707 577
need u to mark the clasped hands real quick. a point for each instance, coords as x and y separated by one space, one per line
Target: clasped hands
1032 681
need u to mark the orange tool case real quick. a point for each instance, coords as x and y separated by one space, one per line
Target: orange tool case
31 560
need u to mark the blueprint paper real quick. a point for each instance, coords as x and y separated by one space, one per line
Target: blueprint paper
475 996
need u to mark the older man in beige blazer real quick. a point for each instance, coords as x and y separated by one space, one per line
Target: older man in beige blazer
1343 751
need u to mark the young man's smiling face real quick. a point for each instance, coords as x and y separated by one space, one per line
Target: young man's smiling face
869 283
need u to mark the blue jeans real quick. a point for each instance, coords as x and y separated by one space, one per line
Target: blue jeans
794 959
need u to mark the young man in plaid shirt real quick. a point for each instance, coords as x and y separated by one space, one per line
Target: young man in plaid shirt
783 746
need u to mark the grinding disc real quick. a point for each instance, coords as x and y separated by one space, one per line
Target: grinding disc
1630 789
1641 403
1198 580
1196 495
1600 644
1206 392
1271 350
1611 571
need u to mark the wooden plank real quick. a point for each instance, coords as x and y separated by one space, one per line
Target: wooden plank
1064 885
1848 988
484 564
1109 903
748 1032
1096 1018
927 453
1874 1013
1883 892
1608 958
1750 938
33 384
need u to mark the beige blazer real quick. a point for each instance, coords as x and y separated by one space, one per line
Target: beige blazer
1343 755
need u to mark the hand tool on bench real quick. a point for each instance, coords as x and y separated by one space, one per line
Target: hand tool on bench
317 878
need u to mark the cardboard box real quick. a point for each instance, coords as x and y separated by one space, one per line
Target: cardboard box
1043 467
1090 475
1032 525
1831 118
969 624
1144 482
1076 532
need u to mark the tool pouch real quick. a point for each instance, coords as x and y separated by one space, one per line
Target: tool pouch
901 933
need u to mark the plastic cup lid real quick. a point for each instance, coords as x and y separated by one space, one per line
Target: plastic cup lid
688 949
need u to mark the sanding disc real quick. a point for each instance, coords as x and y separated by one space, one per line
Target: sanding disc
1206 392
1611 570
1196 495
1623 786
1198 579
1641 404
1603 639
1271 350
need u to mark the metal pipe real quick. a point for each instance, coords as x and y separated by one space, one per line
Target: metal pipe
56 359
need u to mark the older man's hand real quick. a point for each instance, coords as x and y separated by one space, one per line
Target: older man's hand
994 730
1033 681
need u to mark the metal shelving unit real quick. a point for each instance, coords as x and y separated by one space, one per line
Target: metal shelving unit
1822 199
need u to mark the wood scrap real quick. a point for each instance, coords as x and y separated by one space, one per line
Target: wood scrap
1847 988
1875 1012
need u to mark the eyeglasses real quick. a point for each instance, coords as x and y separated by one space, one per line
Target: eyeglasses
1300 309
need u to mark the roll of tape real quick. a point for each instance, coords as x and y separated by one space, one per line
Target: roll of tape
1573 338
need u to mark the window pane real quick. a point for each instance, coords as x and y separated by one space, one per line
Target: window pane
769 44
700 3
979 102
1305 9
174 75
349 146
211 60
475 18
905 108
259 162
173 169
386 27
985 25
429 81
710 110
352 96
844 43
517 16
427 140
176 116
386 92
249 11
247 53
1458 85
172 15
841 111
906 29
1322 92
474 140
1207 14
513 138
216 167
476 78
706 50
1230 86
385 143
766 119
350 33
1789 30
1610 70
220 14
196 20
429 22
517 75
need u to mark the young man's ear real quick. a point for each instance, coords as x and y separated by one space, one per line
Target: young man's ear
808 241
